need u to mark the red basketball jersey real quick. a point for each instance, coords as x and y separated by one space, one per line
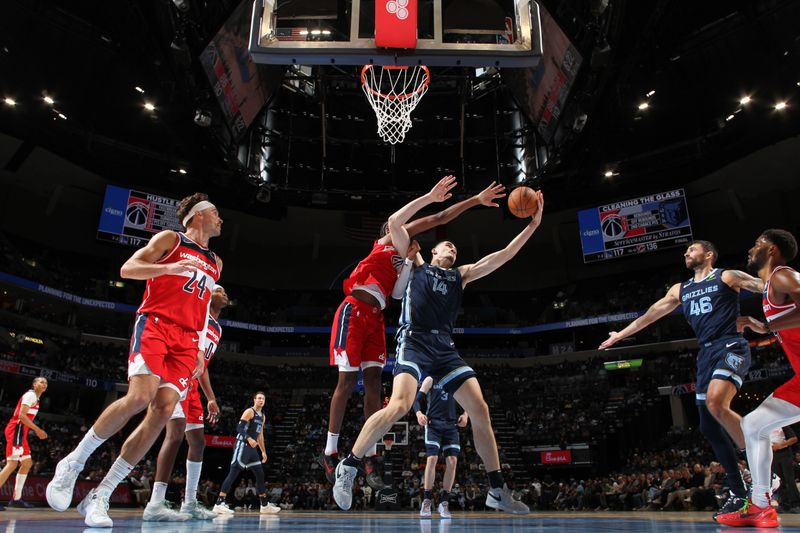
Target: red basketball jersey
183 298
213 336
32 401
377 271
789 338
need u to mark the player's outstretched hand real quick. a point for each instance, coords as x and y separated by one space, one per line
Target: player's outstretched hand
441 191
613 337
536 219
422 420
213 412
491 193
180 266
41 434
744 322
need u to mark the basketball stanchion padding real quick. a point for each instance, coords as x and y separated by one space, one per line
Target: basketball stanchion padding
396 23
394 92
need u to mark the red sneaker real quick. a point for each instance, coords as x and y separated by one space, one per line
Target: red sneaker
750 515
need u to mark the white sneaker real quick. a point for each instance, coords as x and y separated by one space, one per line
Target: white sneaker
270 509
197 511
343 488
775 484
59 490
502 500
222 509
425 508
160 512
443 510
94 508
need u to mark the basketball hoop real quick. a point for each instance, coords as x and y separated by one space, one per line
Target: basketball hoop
388 442
393 93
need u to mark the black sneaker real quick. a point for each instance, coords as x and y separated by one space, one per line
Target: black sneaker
19 504
328 463
733 504
374 479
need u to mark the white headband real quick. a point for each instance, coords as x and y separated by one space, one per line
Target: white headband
196 208
218 286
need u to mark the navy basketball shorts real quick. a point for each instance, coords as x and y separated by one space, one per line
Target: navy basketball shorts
245 456
727 358
429 354
442 438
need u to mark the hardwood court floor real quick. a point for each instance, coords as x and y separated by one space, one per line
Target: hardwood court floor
129 521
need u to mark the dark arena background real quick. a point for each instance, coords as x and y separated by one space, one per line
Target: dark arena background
646 126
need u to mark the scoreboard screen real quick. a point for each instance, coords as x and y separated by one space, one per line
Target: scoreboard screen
131 217
635 226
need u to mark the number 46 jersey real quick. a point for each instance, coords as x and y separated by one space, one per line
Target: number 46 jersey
183 298
710 306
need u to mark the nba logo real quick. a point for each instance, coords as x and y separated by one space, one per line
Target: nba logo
396 23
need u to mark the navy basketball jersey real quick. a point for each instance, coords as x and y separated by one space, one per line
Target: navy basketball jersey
441 406
255 425
710 307
432 300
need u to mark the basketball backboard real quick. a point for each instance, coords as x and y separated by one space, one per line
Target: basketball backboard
469 33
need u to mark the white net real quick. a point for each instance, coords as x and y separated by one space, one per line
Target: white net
394 92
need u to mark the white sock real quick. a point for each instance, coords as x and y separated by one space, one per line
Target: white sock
18 484
86 447
118 471
159 492
332 446
193 469
372 451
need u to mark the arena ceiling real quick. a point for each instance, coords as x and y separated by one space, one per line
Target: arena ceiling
697 60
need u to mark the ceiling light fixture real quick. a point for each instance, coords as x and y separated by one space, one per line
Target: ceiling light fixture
643 106
10 101
651 93
728 118
780 106
181 171
744 100
62 116
48 100
150 107
139 89
608 173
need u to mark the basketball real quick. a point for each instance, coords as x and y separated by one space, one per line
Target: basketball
522 202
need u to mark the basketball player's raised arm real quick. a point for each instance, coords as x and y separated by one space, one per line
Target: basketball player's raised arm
493 261
143 264
398 234
784 283
737 280
661 308
486 197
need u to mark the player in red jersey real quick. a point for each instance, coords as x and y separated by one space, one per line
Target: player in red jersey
18 453
773 249
187 419
167 351
358 339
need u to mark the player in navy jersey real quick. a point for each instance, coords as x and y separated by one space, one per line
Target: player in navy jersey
710 303
248 453
441 424
424 344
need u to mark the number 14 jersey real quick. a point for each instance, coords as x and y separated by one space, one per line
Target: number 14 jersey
710 306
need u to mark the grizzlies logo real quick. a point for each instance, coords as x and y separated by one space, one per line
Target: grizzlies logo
734 361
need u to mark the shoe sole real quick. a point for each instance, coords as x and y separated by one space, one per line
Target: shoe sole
49 497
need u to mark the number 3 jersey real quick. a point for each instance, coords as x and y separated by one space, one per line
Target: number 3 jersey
710 306
183 298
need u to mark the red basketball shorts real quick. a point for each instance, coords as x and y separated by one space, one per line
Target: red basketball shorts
163 349
17 447
191 409
358 337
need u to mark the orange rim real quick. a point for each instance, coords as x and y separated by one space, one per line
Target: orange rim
403 96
